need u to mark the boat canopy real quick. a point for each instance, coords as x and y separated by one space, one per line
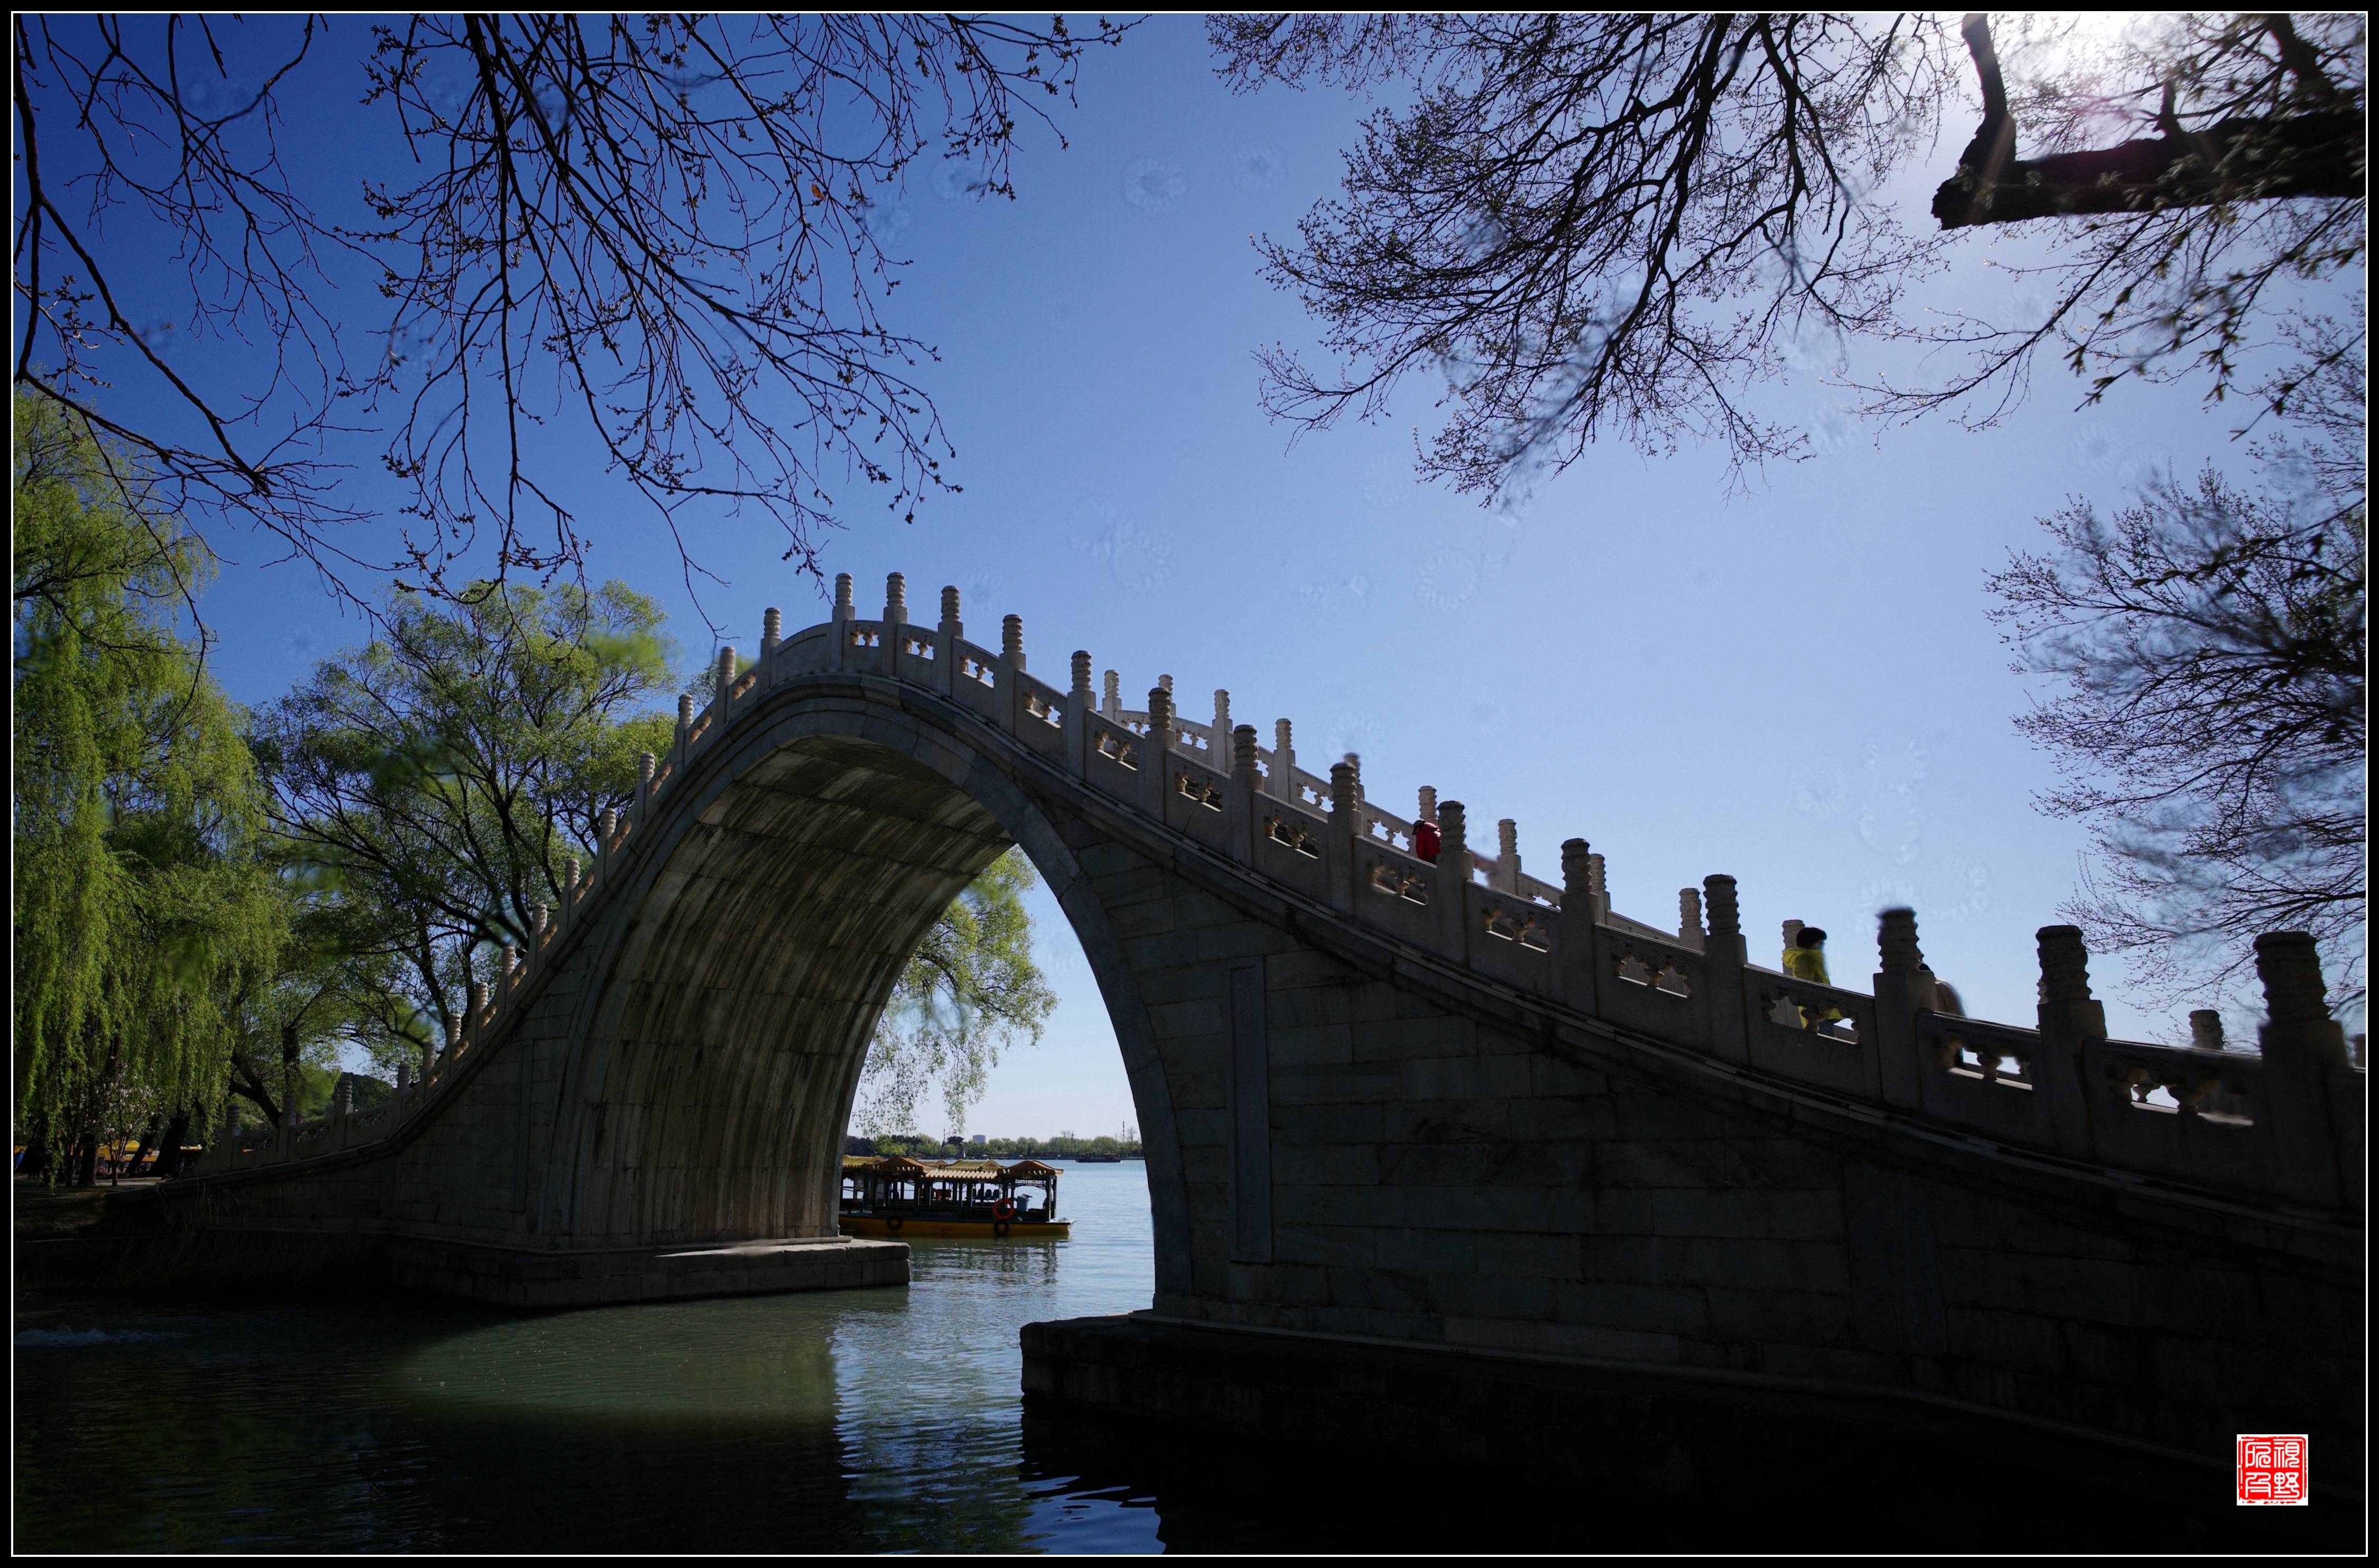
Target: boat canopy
900 1167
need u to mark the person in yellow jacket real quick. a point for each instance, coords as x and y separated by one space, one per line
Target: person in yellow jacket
1805 960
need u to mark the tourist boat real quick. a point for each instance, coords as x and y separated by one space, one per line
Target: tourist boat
949 1200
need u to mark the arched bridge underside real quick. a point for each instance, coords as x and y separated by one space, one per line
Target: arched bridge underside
1392 1106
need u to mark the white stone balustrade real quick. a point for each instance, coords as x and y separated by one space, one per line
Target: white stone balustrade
2268 1124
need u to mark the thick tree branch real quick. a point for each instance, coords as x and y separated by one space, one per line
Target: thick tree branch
2244 158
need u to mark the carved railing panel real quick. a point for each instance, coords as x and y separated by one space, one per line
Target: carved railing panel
1983 1077
1114 758
1512 939
805 654
975 679
1392 894
1040 717
1385 829
2181 1113
919 649
1650 984
1195 802
1829 1041
1292 847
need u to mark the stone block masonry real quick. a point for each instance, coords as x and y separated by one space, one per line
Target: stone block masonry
1391 1088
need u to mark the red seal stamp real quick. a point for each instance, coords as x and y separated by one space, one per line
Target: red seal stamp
2272 1469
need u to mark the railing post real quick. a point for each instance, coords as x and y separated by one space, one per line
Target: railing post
1112 704
684 728
1219 736
1573 966
1078 715
1010 697
896 621
772 637
2304 1055
646 765
726 698
2205 1030
1240 795
1346 833
2069 1023
1599 887
1284 762
844 614
946 637
1722 960
1450 894
1689 917
1903 986
1154 749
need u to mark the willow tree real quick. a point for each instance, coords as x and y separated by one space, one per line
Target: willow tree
446 773
140 900
968 993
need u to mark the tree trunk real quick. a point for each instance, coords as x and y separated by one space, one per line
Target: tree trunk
148 1142
289 1070
248 1086
169 1152
86 1159
2248 158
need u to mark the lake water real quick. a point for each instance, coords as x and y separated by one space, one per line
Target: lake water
874 1420
866 1420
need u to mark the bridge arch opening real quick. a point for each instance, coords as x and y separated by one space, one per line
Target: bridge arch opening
725 1027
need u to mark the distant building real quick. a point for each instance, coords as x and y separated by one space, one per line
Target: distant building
978 1138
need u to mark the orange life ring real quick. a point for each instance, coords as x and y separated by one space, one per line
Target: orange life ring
1000 1227
893 1223
1004 1210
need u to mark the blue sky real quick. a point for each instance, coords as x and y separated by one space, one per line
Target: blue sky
1796 685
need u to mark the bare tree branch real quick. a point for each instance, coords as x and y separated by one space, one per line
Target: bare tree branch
1606 225
663 231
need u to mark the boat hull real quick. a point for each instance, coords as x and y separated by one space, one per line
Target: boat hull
899 1228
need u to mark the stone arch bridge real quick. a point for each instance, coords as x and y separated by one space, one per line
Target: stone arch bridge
1441 1110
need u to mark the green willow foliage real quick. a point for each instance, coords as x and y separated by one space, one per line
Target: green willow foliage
970 992
140 900
444 774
